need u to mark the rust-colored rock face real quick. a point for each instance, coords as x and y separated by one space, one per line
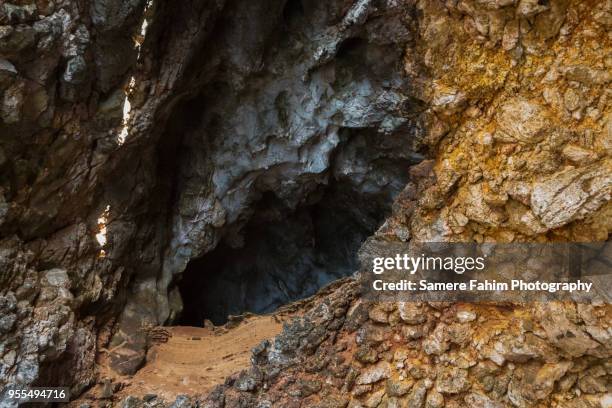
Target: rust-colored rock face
520 126
138 136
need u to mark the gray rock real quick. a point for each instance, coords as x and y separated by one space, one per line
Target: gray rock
57 277
131 402
375 373
19 13
7 71
399 388
474 400
438 341
246 382
411 312
452 380
416 397
434 400
114 14
76 70
571 194
374 399
182 401
521 120
12 104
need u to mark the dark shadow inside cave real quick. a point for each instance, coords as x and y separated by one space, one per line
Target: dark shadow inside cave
287 254
274 254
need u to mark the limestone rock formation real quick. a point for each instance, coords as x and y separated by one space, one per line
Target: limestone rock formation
140 136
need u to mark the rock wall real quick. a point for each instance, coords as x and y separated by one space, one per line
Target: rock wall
518 129
117 168
230 100
82 206
61 99
520 120
347 353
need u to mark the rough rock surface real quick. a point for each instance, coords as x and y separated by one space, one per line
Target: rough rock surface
229 100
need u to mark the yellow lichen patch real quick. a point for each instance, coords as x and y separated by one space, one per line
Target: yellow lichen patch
514 114
478 72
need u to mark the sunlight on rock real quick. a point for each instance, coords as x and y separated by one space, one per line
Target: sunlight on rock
101 235
127 106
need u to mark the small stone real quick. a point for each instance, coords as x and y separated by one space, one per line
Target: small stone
393 402
578 154
309 387
375 373
7 70
378 314
521 120
182 401
20 14
452 380
375 399
572 194
437 343
149 397
411 312
413 332
571 99
10 358
367 354
416 398
519 191
434 400
76 70
532 382
567 382
465 316
461 219
549 373
107 390
361 390
447 100
7 322
476 206
57 277
399 388
474 400
245 382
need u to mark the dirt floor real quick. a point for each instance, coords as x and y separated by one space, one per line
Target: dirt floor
195 359
192 360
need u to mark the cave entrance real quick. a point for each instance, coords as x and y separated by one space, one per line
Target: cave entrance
287 254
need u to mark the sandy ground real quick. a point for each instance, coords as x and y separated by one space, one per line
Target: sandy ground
195 359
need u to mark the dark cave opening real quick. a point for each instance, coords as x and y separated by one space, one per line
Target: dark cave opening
277 253
287 254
